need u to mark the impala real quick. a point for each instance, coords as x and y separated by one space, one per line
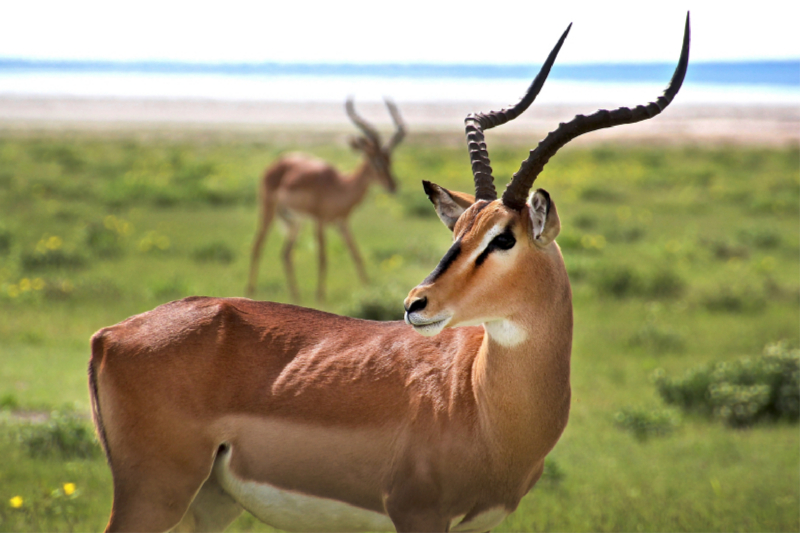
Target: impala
298 185
318 422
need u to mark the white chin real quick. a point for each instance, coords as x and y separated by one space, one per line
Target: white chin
429 330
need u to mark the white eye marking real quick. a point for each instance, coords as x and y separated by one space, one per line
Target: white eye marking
487 238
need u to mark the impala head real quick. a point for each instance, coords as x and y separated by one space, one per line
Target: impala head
378 155
499 258
504 261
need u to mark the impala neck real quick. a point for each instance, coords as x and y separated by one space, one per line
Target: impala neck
358 181
521 377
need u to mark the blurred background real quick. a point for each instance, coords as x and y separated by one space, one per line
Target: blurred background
133 137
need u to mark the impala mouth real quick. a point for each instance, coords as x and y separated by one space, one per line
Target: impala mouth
427 326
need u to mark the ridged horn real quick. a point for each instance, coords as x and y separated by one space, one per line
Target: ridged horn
476 123
370 132
517 191
400 126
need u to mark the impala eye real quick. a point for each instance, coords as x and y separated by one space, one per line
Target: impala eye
504 241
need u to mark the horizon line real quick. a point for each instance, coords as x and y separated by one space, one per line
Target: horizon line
770 71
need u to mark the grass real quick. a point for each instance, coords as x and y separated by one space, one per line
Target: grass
679 257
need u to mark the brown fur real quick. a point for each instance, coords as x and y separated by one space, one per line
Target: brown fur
424 429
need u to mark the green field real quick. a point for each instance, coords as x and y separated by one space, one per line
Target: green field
678 256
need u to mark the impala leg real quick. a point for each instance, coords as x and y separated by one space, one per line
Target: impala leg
153 495
351 246
413 505
267 214
211 510
420 521
323 262
288 266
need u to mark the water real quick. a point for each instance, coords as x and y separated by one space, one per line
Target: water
767 82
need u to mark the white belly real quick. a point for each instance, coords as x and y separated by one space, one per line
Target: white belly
294 511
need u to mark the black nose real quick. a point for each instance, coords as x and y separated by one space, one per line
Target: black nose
417 305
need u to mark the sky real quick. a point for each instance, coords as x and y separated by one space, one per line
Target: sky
410 31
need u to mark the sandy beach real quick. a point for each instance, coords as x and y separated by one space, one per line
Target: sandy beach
771 125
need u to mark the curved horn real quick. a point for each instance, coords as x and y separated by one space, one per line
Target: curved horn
399 124
517 191
476 123
369 131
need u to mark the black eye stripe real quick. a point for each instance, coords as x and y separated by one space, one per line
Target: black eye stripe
504 241
451 255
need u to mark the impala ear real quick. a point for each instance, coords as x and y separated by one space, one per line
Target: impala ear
545 223
448 204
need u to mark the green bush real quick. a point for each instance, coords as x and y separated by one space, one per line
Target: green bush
553 474
724 250
734 299
658 339
6 238
169 289
65 435
585 222
622 281
37 260
103 242
377 303
625 234
618 281
664 283
8 401
216 252
645 423
765 238
417 205
740 393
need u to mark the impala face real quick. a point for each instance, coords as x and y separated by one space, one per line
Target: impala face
496 251
381 162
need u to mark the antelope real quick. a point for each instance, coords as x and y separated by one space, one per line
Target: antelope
298 185
316 422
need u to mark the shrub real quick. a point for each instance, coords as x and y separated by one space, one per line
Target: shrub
378 303
665 283
740 393
625 234
585 222
734 299
216 252
50 253
6 238
645 423
760 237
600 194
568 240
169 289
8 401
724 251
417 205
618 281
552 474
658 339
103 242
65 435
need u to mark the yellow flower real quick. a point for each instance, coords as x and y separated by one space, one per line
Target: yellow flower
69 488
16 502
54 242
